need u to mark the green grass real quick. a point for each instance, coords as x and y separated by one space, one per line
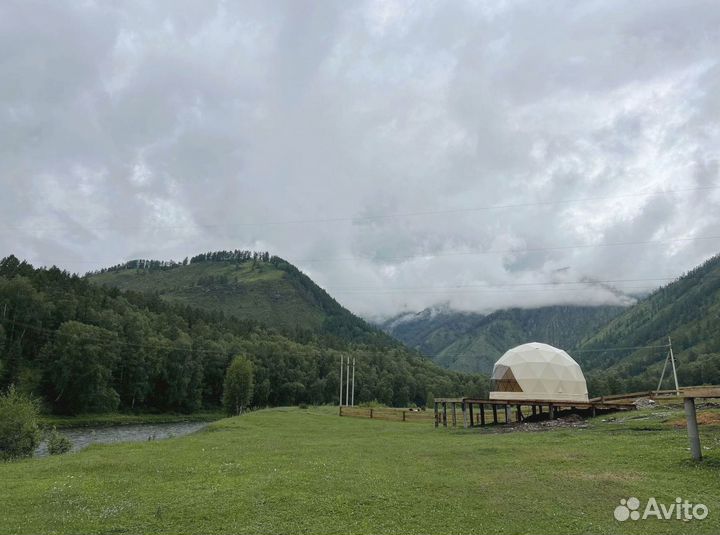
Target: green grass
110 419
309 471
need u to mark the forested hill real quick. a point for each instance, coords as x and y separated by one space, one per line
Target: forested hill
687 310
248 285
472 342
82 347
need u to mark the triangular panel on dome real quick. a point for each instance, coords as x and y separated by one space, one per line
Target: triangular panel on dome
505 381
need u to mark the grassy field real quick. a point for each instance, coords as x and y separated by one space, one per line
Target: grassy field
308 471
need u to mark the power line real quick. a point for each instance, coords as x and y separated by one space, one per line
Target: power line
509 251
358 219
320 351
451 254
547 286
573 351
513 284
605 349
449 291
54 332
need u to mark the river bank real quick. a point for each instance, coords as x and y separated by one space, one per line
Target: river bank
82 437
114 419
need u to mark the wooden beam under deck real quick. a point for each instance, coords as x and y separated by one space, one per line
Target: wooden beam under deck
536 406
560 403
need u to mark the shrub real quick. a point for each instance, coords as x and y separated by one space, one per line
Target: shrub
57 443
19 434
303 406
238 386
374 404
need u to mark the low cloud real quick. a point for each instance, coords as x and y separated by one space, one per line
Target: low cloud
404 155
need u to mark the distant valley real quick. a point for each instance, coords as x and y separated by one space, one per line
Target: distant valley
472 342
620 349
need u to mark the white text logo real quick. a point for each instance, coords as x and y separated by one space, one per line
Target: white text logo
678 510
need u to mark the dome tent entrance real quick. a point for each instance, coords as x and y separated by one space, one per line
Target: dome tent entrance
536 371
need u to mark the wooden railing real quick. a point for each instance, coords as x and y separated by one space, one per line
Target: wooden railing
387 413
684 392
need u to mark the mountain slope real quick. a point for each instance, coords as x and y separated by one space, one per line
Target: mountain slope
687 310
262 293
82 347
251 286
473 342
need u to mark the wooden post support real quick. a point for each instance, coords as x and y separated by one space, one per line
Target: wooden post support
518 413
437 414
507 414
692 428
594 412
495 420
551 410
453 410
482 414
444 415
463 407
472 416
534 410
403 415
371 412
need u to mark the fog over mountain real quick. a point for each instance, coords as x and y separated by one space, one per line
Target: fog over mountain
404 155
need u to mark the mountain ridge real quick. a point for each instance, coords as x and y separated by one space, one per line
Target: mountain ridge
686 310
472 342
248 285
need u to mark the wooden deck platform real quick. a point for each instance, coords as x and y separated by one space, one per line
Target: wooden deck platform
473 409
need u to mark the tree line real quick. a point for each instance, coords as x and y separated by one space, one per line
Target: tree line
82 348
238 256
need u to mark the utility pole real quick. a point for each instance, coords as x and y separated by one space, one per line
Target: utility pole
672 360
662 376
671 357
341 370
352 398
347 382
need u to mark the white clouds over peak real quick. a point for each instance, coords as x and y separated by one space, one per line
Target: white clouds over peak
162 129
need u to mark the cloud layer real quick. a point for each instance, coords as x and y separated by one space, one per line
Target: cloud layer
403 154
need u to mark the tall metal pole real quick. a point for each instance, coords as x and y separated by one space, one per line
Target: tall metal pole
662 375
341 370
347 382
352 398
672 360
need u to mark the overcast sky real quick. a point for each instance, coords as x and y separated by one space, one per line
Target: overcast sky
389 149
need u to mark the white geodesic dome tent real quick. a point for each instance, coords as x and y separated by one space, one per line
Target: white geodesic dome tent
539 372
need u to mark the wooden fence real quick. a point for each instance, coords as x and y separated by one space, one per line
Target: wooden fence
387 413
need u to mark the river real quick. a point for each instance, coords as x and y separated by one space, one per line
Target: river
82 437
